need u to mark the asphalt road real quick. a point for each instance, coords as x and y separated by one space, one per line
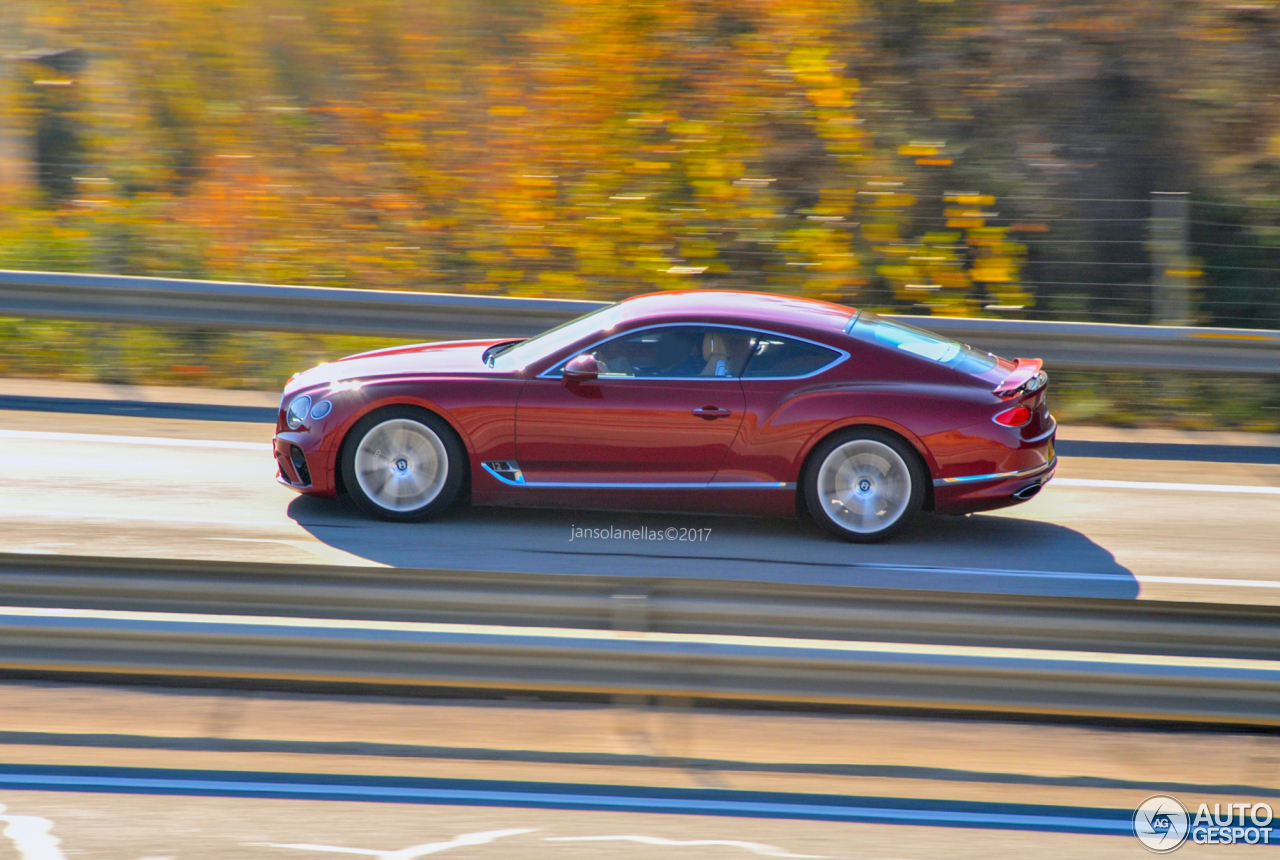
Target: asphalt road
139 774
1152 524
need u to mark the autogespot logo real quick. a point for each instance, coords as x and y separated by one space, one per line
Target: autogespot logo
1161 823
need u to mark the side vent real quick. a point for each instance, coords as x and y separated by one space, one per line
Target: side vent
300 465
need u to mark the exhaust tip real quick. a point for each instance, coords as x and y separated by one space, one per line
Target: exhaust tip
1027 492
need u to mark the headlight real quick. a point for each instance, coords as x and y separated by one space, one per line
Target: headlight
298 410
321 409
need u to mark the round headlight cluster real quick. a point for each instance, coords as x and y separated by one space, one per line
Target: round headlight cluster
321 409
298 410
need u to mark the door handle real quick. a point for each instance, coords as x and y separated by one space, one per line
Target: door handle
712 412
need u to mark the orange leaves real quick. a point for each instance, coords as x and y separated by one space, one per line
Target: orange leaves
564 147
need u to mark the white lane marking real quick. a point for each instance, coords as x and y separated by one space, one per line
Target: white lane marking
600 635
1157 485
98 515
754 847
413 851
162 441
30 835
1204 580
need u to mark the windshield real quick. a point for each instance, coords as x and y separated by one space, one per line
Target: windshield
925 344
525 352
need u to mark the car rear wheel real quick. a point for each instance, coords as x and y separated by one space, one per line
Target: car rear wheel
403 464
864 485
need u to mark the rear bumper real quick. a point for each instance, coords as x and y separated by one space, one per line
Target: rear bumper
988 492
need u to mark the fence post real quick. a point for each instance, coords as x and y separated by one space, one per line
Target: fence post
1170 258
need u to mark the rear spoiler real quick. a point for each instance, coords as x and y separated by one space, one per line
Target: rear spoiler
1024 370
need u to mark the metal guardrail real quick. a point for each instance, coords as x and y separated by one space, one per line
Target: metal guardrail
662 604
218 304
215 304
610 663
607 635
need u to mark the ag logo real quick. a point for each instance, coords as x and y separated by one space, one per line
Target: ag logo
1161 823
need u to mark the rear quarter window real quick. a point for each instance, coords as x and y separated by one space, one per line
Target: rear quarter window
775 356
918 342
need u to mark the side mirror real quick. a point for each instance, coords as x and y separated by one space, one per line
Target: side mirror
580 369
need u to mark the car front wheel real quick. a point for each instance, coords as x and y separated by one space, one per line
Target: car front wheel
403 464
864 485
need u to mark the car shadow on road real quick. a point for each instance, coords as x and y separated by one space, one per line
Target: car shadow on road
979 553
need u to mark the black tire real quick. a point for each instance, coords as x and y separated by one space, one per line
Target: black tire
864 463
392 460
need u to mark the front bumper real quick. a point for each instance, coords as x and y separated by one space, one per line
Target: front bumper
303 465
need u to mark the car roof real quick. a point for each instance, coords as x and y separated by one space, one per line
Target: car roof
739 306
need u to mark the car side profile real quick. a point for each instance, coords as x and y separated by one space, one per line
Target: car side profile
708 401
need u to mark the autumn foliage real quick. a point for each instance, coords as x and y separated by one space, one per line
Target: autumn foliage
896 154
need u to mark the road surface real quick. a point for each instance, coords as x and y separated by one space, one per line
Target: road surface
1161 519
128 773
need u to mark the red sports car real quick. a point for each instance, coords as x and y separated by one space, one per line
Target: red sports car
708 401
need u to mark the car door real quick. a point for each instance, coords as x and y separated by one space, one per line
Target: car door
664 410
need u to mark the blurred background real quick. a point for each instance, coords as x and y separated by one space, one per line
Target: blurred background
1074 161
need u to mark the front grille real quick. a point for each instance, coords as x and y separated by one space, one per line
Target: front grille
300 464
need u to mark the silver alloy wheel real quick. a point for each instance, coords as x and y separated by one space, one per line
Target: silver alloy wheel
401 465
864 486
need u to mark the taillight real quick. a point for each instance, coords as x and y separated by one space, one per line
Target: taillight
1015 417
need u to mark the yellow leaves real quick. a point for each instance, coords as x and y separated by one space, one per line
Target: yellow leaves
926 153
711 168
812 66
995 270
699 249
591 148
880 231
988 236
897 272
530 252
560 281
829 97
686 129
946 271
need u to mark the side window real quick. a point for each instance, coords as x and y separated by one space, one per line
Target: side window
776 356
674 352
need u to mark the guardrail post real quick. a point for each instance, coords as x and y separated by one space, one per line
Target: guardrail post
1170 258
630 613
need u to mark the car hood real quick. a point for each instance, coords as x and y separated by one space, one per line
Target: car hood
453 358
